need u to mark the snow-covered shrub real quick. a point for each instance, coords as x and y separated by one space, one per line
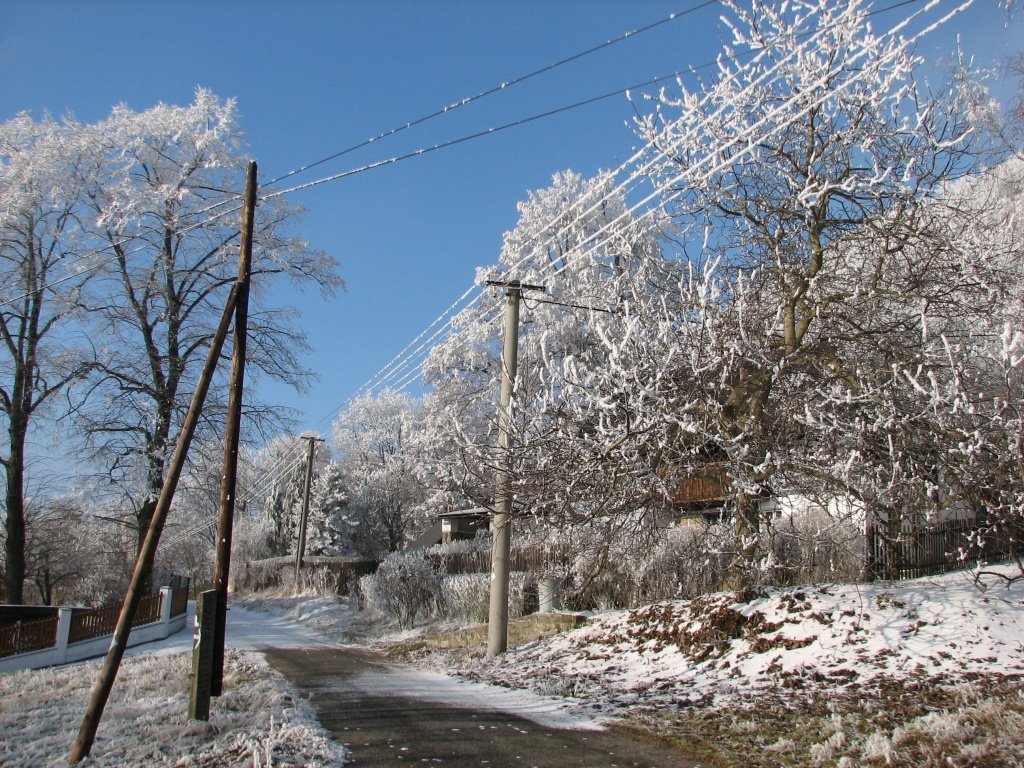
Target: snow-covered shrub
465 597
323 576
812 546
319 581
637 565
462 555
685 561
404 586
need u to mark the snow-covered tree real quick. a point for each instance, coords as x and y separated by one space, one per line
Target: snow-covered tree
158 202
281 463
831 288
330 530
43 268
376 440
576 239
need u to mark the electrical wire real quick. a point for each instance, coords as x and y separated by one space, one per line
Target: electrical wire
505 85
381 376
381 163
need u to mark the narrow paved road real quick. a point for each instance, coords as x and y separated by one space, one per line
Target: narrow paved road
391 716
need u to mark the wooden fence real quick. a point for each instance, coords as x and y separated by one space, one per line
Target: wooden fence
943 547
25 636
480 562
103 621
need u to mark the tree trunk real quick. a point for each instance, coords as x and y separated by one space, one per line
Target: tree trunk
14 547
144 518
45 587
748 543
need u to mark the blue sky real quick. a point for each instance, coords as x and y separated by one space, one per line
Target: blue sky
312 78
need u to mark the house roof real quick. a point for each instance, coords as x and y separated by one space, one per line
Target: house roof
461 513
710 485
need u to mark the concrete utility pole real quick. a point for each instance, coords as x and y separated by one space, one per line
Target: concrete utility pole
222 559
300 549
497 617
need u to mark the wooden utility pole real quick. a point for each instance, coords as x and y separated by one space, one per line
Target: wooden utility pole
144 561
300 547
222 562
497 616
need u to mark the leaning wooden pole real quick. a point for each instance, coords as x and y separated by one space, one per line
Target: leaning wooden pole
222 562
144 561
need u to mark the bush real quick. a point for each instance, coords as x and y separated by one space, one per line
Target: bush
324 576
404 587
636 566
466 597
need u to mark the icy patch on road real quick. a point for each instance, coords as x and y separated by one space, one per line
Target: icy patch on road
253 630
442 689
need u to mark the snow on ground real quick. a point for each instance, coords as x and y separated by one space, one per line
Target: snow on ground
332 616
731 643
914 673
258 721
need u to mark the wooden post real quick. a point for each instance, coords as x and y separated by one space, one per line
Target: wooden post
202 655
222 562
144 562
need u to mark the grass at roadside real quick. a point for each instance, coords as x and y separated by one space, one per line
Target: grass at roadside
258 721
923 725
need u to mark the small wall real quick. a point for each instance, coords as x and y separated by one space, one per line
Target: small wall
64 652
256 575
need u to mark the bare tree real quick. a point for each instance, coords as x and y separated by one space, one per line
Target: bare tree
42 273
62 550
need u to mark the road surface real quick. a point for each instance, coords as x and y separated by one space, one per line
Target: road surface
389 715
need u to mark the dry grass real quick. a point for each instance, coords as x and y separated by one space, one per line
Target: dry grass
921 724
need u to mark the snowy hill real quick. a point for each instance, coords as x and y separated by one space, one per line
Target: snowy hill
882 673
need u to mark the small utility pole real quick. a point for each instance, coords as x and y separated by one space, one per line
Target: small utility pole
497 617
222 561
300 548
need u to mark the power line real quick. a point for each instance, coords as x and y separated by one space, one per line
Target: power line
660 190
423 150
505 85
395 159
383 373
470 137
531 118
